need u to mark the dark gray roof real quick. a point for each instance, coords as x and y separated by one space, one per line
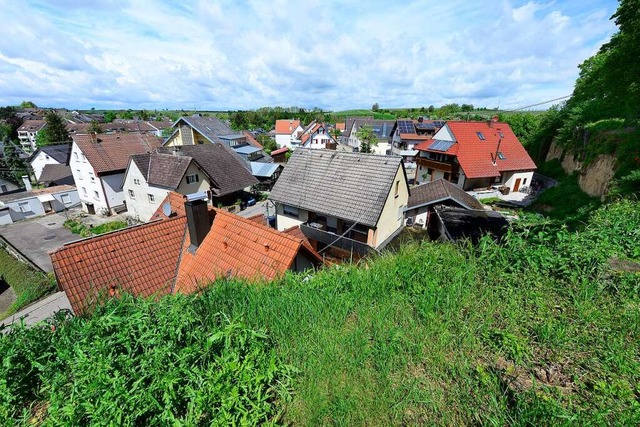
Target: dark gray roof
227 170
210 127
349 124
56 174
60 152
351 186
438 191
463 224
381 128
162 170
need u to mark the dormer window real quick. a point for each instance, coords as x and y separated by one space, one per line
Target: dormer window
480 136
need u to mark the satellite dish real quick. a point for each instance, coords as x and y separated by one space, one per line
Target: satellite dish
166 209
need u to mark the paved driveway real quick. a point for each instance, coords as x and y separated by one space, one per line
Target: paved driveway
37 236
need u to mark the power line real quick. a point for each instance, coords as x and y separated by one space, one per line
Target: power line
539 103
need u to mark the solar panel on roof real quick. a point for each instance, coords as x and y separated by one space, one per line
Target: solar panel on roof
425 126
406 126
440 145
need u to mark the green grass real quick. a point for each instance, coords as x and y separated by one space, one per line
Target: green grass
77 227
537 331
28 284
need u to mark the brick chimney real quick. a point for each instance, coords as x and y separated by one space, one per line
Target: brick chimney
197 222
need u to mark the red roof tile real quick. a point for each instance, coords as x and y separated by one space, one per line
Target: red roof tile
240 247
475 154
286 126
176 202
280 151
110 152
141 260
340 126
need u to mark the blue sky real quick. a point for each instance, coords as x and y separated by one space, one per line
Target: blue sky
334 55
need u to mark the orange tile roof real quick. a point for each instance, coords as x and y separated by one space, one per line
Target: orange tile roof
155 258
176 202
110 152
340 126
141 260
280 151
475 155
239 247
286 126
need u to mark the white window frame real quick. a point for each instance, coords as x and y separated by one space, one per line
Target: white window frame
151 197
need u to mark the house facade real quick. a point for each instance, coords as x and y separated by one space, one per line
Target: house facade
288 132
98 164
49 155
28 204
317 137
475 155
381 129
342 201
28 132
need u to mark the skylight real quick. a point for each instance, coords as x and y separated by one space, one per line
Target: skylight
501 134
480 135
501 156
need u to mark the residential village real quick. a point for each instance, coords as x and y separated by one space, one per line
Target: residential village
202 201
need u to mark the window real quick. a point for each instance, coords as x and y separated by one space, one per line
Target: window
132 195
24 207
84 159
480 136
192 178
524 181
96 195
291 211
65 199
75 154
93 179
84 191
136 181
501 156
79 173
46 157
501 134
3 188
152 198
397 190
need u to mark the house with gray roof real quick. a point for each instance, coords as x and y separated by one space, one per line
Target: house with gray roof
212 168
424 198
49 155
32 203
381 129
343 202
56 175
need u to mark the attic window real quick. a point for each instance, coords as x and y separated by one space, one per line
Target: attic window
192 178
501 156
480 136
501 134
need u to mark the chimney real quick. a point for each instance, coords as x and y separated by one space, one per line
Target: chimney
27 183
197 221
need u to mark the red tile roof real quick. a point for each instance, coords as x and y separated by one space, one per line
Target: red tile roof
280 151
251 139
340 126
240 247
176 202
286 126
141 260
155 258
110 152
475 155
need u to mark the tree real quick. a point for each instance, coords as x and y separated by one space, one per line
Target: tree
110 116
28 104
367 139
55 131
375 107
12 166
335 133
94 126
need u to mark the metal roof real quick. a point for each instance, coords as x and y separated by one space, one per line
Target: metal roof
246 149
263 170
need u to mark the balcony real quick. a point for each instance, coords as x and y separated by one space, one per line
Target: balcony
432 164
326 238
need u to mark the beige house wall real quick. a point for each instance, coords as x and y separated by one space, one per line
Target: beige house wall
392 216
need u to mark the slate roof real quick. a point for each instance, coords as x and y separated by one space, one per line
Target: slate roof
110 152
209 127
59 174
141 260
155 258
465 224
438 191
59 152
7 198
351 186
475 154
286 126
227 170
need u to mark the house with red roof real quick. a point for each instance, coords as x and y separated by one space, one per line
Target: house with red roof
475 155
288 132
186 248
98 163
317 137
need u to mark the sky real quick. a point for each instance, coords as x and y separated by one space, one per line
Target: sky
334 55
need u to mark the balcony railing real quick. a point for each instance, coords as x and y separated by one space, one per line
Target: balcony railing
434 164
327 238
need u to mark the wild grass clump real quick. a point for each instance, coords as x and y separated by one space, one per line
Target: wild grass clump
542 329
77 227
28 284
137 362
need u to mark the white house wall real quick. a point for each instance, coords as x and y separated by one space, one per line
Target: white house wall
87 187
9 186
444 134
39 162
114 193
285 221
511 177
392 216
35 208
140 206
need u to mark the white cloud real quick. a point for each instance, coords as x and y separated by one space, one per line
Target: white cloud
230 55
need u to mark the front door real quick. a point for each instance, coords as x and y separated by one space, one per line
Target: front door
90 209
516 186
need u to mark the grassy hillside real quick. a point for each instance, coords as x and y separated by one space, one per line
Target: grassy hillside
542 330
